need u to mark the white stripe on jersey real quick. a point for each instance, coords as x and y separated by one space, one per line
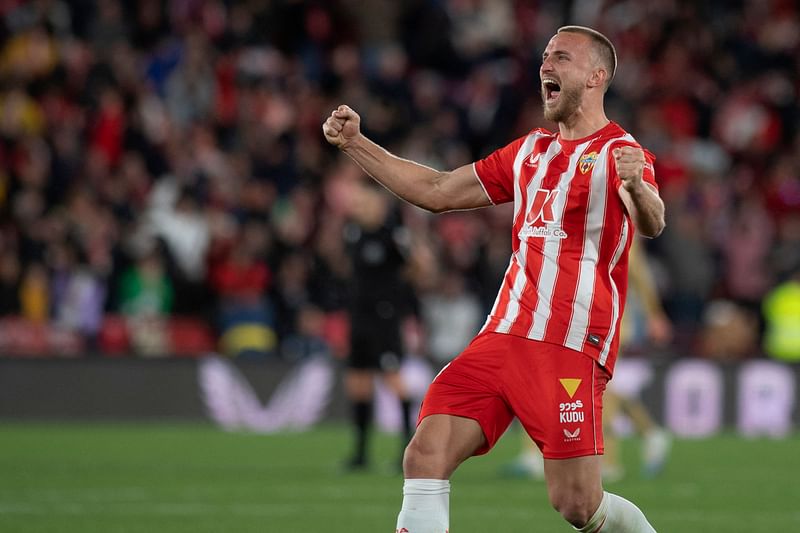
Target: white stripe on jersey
524 152
552 246
584 294
517 289
512 310
475 171
614 293
594 425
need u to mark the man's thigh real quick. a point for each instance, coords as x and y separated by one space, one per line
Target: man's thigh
471 387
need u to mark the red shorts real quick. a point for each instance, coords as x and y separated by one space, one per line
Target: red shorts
555 392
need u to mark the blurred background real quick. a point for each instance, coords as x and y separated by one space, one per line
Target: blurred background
166 194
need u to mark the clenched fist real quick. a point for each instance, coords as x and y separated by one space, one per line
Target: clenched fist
629 162
341 127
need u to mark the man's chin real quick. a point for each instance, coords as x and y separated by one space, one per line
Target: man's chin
553 114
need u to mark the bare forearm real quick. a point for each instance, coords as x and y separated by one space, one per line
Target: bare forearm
647 211
417 184
414 183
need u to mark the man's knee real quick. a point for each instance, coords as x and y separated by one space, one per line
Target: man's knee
575 504
426 458
441 443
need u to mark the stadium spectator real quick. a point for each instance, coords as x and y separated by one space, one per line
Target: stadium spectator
309 340
451 315
31 297
729 331
145 288
10 289
78 292
240 279
782 314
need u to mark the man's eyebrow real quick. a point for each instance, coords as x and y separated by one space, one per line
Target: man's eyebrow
556 52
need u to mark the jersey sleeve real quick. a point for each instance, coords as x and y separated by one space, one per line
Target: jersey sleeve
648 175
496 172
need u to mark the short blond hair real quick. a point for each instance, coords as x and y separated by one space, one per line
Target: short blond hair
603 45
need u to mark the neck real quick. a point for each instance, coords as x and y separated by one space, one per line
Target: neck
582 123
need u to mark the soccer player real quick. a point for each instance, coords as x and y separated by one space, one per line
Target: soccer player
656 441
549 344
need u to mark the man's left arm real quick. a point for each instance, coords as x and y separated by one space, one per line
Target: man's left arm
640 198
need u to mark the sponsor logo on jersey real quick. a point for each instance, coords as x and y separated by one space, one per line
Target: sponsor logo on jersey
542 207
542 212
586 162
594 339
530 231
572 436
570 385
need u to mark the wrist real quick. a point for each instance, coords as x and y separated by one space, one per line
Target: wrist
352 144
636 188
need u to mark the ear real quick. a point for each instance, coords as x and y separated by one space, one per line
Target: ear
597 78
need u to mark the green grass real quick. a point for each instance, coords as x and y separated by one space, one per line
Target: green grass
192 478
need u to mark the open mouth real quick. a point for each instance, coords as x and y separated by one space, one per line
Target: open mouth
551 89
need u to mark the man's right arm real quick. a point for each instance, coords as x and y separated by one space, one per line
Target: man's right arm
417 184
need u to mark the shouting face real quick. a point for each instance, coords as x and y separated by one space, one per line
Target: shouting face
567 64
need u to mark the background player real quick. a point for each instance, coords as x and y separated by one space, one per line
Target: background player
656 441
550 342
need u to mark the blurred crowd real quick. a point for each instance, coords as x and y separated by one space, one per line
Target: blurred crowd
164 160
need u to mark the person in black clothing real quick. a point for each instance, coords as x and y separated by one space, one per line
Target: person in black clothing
376 241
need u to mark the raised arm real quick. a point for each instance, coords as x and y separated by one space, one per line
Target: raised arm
417 184
641 200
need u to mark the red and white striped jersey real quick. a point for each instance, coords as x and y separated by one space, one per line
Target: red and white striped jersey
568 274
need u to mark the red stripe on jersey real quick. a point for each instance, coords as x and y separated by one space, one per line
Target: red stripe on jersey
503 298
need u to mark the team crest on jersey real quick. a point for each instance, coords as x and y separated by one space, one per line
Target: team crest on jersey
586 162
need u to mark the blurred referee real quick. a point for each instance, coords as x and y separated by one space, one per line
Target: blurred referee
380 298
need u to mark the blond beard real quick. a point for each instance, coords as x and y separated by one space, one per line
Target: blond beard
568 102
